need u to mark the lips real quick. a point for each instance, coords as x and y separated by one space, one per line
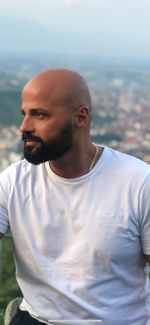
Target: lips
29 142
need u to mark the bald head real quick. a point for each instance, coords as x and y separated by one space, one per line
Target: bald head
56 106
60 87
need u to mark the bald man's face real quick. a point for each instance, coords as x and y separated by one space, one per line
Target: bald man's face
46 129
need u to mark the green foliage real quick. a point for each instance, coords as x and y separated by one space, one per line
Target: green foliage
8 287
101 120
106 138
10 106
1 317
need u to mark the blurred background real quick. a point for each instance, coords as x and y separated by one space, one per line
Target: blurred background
108 42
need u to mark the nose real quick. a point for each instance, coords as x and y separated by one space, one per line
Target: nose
27 125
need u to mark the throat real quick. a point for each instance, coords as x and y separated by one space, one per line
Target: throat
76 165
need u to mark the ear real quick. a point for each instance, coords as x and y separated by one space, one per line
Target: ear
82 116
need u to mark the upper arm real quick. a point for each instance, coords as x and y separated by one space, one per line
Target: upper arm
144 218
4 196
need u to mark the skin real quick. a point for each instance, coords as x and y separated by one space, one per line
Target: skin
51 99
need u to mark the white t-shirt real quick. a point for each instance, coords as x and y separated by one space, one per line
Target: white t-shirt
78 243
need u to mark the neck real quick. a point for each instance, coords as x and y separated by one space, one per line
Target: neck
76 162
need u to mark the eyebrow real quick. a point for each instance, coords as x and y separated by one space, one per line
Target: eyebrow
35 109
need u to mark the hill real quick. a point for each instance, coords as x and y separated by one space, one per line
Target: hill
10 107
8 284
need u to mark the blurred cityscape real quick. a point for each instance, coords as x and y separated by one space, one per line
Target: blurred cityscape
120 95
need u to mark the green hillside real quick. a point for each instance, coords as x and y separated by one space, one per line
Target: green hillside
10 101
8 285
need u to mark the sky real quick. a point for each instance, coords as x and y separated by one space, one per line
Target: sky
94 26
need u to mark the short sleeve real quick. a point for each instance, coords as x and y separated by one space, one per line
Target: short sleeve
144 208
4 197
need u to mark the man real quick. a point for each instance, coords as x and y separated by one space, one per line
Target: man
79 214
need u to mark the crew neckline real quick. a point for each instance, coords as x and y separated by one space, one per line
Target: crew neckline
84 177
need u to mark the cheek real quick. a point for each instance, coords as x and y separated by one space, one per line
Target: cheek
49 130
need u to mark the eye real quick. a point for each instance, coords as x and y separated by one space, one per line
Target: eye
39 114
22 112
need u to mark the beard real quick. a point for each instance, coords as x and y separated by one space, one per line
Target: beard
51 149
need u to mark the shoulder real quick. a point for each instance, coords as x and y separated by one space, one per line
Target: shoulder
14 168
17 172
127 169
128 162
9 175
19 175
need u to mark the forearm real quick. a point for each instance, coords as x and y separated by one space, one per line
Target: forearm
147 259
1 235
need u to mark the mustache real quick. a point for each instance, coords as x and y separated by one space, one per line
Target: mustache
27 136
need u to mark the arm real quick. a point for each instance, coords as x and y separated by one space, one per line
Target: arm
147 265
147 259
144 213
4 196
1 235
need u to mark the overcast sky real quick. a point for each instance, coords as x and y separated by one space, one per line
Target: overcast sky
119 19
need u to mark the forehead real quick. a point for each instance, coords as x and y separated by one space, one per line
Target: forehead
56 88
46 92
48 100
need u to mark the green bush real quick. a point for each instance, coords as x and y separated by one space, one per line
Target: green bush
8 286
